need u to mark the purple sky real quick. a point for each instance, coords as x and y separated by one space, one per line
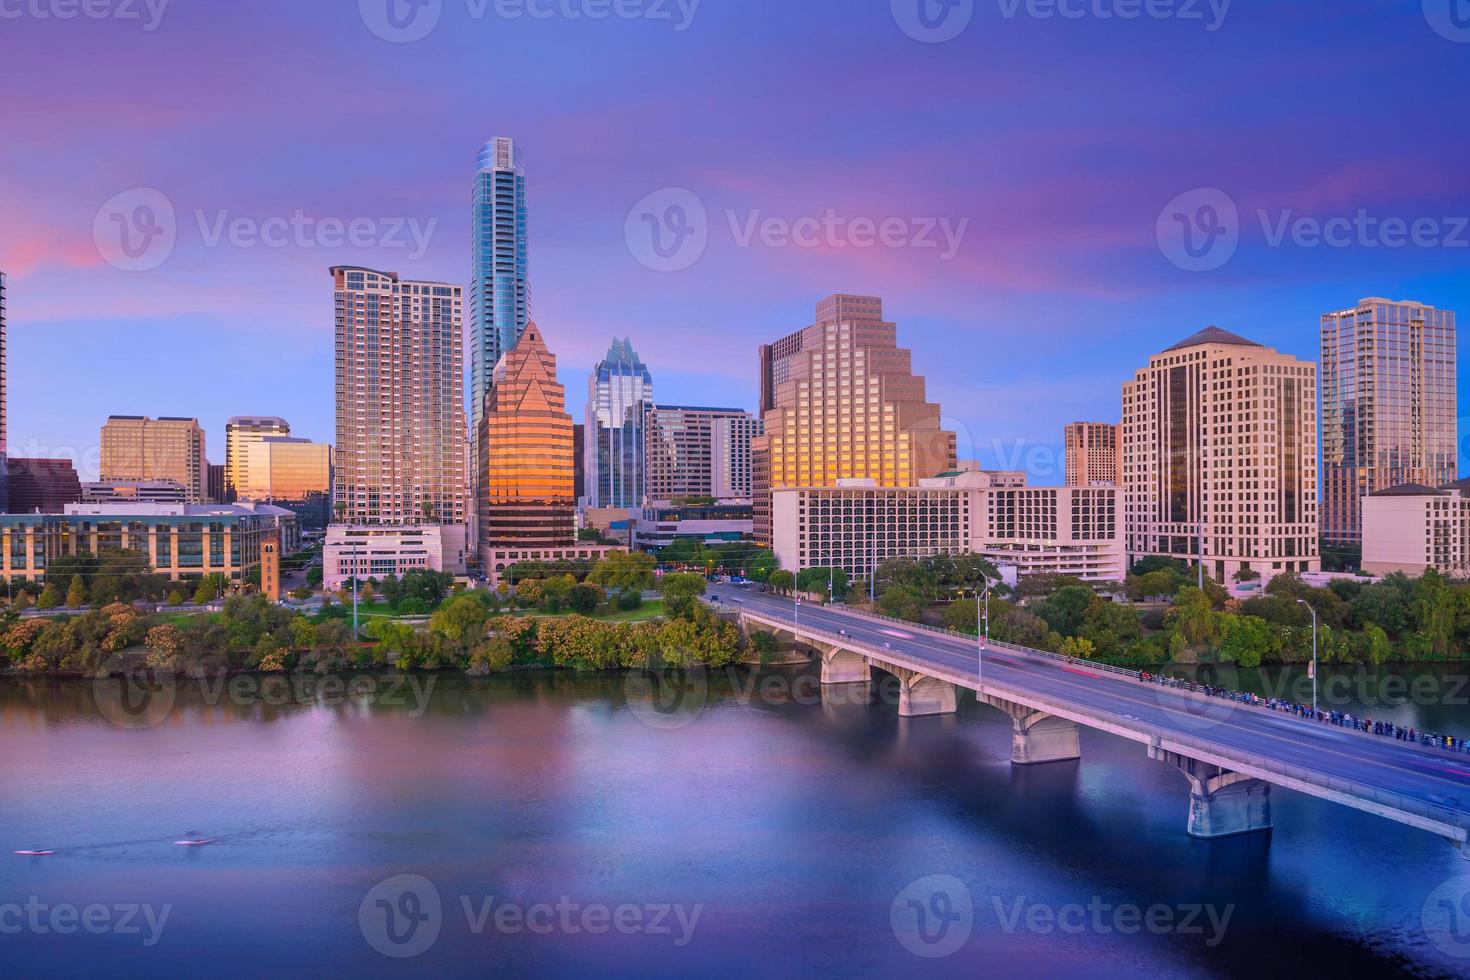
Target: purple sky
1054 143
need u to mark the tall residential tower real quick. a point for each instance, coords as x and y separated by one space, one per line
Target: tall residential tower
1091 454
1388 406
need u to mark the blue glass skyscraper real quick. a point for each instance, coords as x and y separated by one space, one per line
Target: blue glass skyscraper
619 395
498 295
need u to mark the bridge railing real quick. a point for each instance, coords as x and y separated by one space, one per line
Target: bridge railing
1448 816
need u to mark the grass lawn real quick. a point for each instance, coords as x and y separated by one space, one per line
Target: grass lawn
178 618
651 609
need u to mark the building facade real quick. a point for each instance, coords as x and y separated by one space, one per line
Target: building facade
1389 414
1091 450
619 395
282 468
182 541
1220 458
375 551
659 526
840 401
138 448
499 300
400 452
4 407
1412 528
134 491
42 486
241 432
698 452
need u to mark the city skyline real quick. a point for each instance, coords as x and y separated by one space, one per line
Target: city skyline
1048 253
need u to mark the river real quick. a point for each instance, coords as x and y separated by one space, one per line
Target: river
567 825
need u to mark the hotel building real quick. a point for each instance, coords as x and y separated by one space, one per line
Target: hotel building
1389 414
400 454
857 525
137 448
1412 528
698 452
619 395
1220 457
1092 454
839 401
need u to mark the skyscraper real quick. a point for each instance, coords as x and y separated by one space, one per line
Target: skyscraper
4 412
840 401
135 447
240 431
1389 414
698 452
1091 454
619 394
1220 457
527 478
499 296
400 455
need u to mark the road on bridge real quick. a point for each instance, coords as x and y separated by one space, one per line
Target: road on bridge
1438 781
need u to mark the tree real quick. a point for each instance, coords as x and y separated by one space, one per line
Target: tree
623 570
76 594
1160 583
584 599
818 581
628 601
781 580
903 602
461 621
765 645
205 591
50 596
1064 609
175 598
680 590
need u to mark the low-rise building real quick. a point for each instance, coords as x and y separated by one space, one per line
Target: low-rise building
498 560
857 526
182 541
135 492
660 524
1412 528
365 551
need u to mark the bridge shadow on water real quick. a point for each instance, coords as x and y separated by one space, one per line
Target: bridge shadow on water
1114 823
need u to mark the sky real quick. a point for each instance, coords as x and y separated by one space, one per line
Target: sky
1044 192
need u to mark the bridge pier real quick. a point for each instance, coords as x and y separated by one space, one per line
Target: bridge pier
840 666
1036 736
1222 803
920 695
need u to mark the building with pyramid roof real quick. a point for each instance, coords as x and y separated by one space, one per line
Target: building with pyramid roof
619 395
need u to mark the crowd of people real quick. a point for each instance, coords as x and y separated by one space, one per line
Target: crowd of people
1368 726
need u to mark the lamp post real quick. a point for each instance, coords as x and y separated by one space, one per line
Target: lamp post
982 634
1314 654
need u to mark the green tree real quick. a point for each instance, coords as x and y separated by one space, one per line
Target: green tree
680 591
1064 609
818 581
781 580
623 570
51 596
76 593
460 621
903 602
584 599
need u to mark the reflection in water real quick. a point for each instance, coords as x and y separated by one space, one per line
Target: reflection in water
794 821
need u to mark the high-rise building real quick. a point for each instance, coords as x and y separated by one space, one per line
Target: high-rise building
579 460
840 401
1091 454
499 300
137 448
215 484
42 486
400 455
1389 414
241 431
282 468
527 478
4 411
619 395
1220 457
698 452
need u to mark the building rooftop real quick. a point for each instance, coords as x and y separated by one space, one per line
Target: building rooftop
1213 335
1408 490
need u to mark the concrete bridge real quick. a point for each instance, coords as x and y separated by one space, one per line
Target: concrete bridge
1230 754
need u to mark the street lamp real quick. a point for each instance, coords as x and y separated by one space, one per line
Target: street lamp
1314 654
982 635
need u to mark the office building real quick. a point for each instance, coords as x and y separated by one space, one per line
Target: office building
698 452
858 525
1389 414
137 448
375 551
182 541
134 491
4 409
1412 528
283 468
840 401
215 484
400 451
660 525
240 432
619 395
1220 458
579 461
1091 450
42 486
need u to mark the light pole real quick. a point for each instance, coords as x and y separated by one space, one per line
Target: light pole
1314 654
982 634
